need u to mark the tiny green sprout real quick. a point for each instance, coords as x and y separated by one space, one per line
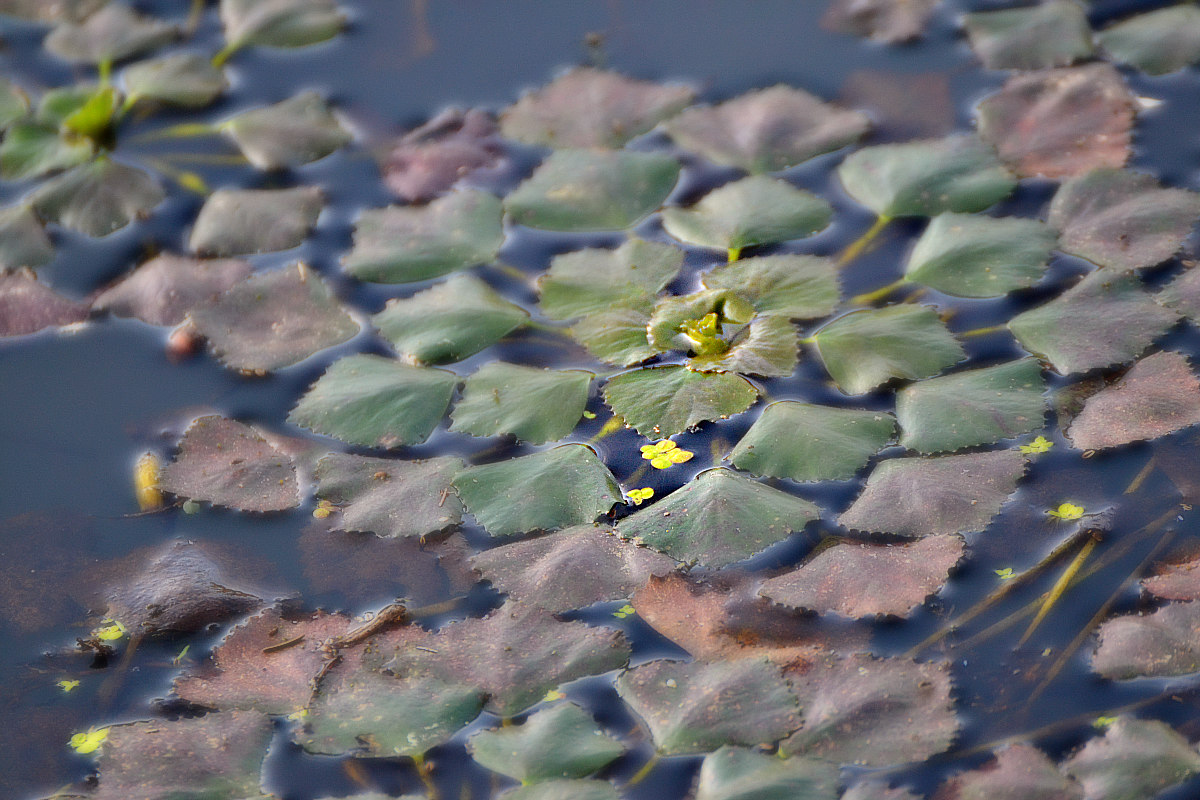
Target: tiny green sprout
112 630
67 686
588 415
624 611
1004 574
191 507
323 510
552 695
298 716
177 660
662 455
1039 445
1103 722
636 496
705 335
88 742
1067 512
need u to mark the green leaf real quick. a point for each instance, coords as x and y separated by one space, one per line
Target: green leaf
59 103
1158 42
812 443
562 741
188 80
797 287
752 211
932 496
97 198
94 117
564 790
767 130
1018 771
31 149
1106 318
1135 759
567 485
664 401
1053 34
587 107
279 23
971 256
717 519
376 402
448 321
926 178
593 190
14 104
240 221
273 319
865 349
1160 644
1122 219
113 33
534 405
767 347
979 406
389 497
615 337
698 707
401 244
290 133
23 241
736 773
585 282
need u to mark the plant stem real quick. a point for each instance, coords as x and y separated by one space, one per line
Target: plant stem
225 54
194 15
734 254
1060 586
185 131
858 245
431 789
866 298
982 331
641 774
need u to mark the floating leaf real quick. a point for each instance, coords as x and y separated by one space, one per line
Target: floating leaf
112 33
873 711
97 198
767 347
595 280
564 790
979 406
273 319
616 337
752 211
187 79
971 256
664 401
27 306
23 241
735 773
588 107
31 149
931 496
1157 396
432 158
279 23
889 21
166 287
865 349
1176 582
1018 772
534 405
1053 34
295 131
448 321
698 707
593 190
376 402
1121 219
238 221
1061 122
902 106
1183 295
718 518
401 244
860 580
797 287
879 790
562 741
1135 759
1158 42
217 755
41 11
807 442
1104 319
602 567
567 485
14 104
767 130
926 178
389 497
227 463
1163 643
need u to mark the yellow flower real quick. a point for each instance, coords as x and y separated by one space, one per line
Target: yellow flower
662 455
1004 574
1067 512
1039 445
88 742
67 686
111 631
638 495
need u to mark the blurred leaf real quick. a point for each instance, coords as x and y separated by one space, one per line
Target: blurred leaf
14 104
1135 759
752 211
534 405
240 221
562 741
163 290
1018 772
290 133
31 149
889 21
187 79
27 306
664 401
766 347
58 11
432 158
735 773
1157 396
564 790
584 282
879 790
972 256
279 23
797 287
113 33
1053 34
1183 295
1160 41
23 241
390 497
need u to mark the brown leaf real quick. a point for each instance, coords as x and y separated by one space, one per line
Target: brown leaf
1018 772
1176 581
1163 643
28 306
166 287
429 160
1158 395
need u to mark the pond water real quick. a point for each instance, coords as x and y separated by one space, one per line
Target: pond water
79 406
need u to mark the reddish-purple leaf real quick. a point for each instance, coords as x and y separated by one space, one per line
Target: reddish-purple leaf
1018 772
27 306
902 107
429 160
1163 643
1158 395
889 21
1176 581
166 287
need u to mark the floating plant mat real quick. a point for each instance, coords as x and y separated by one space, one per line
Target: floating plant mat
615 465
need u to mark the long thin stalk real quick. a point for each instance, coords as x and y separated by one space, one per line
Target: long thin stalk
641 774
870 297
860 244
1060 586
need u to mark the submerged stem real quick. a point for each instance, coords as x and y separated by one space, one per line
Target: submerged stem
641 774
860 244
1060 586
870 297
983 331
186 130
734 254
431 789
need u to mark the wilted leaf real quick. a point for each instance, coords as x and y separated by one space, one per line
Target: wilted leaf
389 497
593 190
973 256
926 178
930 496
1162 643
1157 396
279 23
376 402
889 21
1018 772
227 463
239 221
187 79
859 580
567 485
287 134
564 790
1053 34
1134 760
1158 42
166 287
97 198
591 108
562 741
401 244
432 158
664 401
797 287
273 319
448 321
736 773
1061 122
1176 582
27 306
23 241
807 442
718 518
584 282
113 33
767 130
534 405
31 149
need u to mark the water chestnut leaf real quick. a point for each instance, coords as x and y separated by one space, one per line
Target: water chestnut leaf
1160 41
767 129
593 280
567 485
752 211
564 790
1160 644
390 497
593 190
664 401
32 149
1053 34
290 133
433 157
164 289
925 178
615 337
239 221
766 347
58 11
1018 772
562 741
113 33
449 321
187 80
23 240
27 306
588 107
972 256
888 21
373 401
1134 759
534 405
737 773
279 23
402 244
792 286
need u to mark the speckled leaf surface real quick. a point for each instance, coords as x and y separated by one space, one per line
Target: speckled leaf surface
664 401
1053 34
972 256
187 79
792 286
594 280
615 337
887 21
562 741
432 158
1162 643
390 497
534 405
766 347
164 289
1158 395
290 133
23 241
1135 759
737 773
1176 581
1018 772
564 790
241 221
